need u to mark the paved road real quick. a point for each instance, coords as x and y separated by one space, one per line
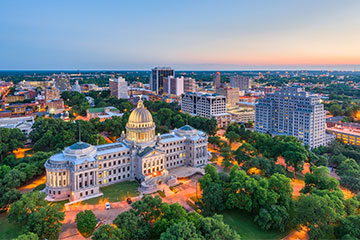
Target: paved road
69 230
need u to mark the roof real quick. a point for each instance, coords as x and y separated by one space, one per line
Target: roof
146 151
96 110
79 145
186 128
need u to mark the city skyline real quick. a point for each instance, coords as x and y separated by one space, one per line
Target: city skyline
238 35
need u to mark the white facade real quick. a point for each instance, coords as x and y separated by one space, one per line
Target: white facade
292 111
81 169
174 85
118 88
206 105
22 123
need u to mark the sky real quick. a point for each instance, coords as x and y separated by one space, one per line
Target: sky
184 34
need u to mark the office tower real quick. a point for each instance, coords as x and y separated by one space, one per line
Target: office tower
217 80
292 111
189 85
206 105
63 83
231 94
52 93
241 82
173 85
158 76
118 88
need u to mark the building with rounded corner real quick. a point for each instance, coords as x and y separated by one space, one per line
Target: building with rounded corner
81 170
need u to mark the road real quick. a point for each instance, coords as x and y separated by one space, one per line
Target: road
69 230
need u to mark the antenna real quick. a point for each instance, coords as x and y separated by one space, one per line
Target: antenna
79 133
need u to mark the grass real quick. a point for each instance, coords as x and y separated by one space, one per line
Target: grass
116 192
8 230
243 223
39 187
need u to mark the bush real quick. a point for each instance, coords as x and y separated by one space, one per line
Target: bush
86 222
161 193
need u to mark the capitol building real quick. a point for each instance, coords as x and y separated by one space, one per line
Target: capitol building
81 170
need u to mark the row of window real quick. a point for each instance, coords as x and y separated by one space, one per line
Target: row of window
113 155
119 162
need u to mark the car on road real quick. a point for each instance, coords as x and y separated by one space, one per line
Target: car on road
107 206
129 201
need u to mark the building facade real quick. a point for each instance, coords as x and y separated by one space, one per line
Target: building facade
81 169
292 111
231 95
217 80
241 82
118 88
173 85
63 83
189 84
158 75
206 105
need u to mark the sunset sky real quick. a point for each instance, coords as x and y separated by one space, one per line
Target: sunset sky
184 34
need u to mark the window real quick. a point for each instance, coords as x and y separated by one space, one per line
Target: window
81 194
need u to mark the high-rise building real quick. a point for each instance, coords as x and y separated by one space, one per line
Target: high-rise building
241 82
189 85
217 80
63 83
292 111
173 85
118 88
158 75
206 105
231 94
52 93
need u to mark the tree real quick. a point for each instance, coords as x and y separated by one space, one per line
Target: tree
10 139
148 209
213 228
348 228
86 222
226 153
319 179
36 215
317 213
295 156
244 153
131 227
232 137
349 172
181 231
171 214
107 232
28 236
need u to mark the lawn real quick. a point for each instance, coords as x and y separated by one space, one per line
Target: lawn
242 222
116 192
8 230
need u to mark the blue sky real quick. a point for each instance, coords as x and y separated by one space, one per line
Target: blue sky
188 35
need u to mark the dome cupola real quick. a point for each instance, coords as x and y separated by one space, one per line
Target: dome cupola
140 127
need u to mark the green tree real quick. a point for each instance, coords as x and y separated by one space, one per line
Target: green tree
148 209
131 227
348 228
86 222
10 139
319 179
181 231
107 232
28 236
37 215
317 213
232 137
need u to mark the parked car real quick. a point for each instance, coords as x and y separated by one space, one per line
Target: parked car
107 206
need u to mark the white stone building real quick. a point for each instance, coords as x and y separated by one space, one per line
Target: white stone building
118 88
292 111
81 169
206 105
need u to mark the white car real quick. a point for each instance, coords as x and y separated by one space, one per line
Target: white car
107 206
